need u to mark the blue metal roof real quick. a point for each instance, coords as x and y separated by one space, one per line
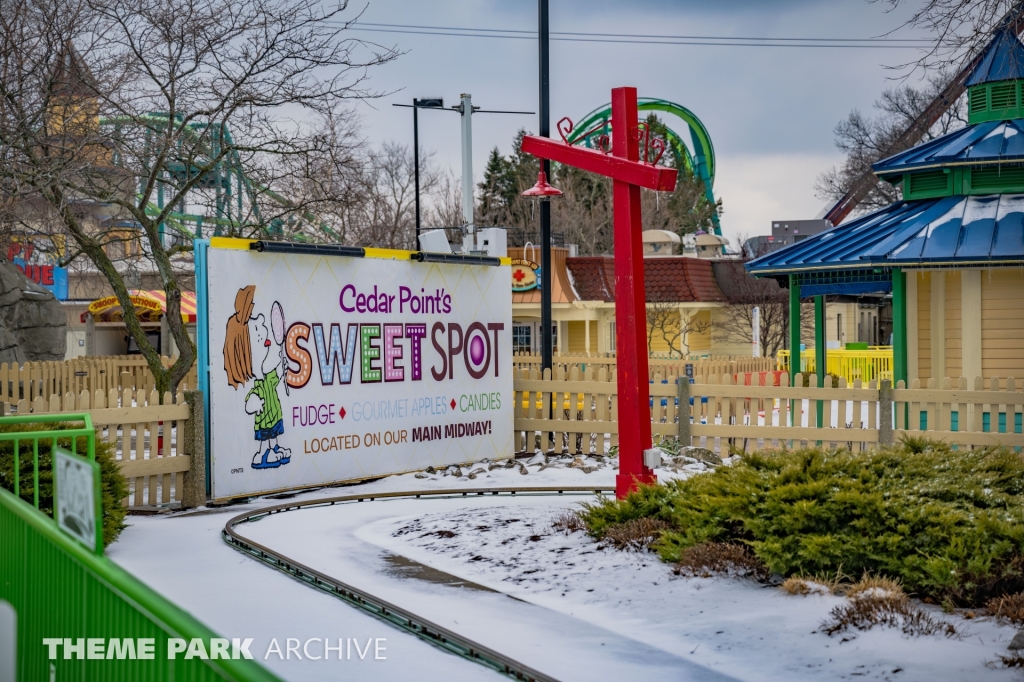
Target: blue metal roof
983 143
1003 60
957 230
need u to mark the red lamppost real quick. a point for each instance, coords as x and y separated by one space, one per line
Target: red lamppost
623 163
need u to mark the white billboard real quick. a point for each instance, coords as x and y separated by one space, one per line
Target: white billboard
333 368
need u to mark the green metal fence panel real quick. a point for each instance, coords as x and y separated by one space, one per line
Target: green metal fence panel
61 590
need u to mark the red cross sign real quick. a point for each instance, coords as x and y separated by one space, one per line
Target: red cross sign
629 173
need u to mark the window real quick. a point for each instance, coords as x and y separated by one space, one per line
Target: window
611 337
522 338
839 329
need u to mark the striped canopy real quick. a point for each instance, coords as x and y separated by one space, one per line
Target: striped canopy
149 303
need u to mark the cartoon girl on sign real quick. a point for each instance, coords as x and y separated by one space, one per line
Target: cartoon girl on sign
247 339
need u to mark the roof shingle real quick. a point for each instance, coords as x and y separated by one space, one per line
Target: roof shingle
675 280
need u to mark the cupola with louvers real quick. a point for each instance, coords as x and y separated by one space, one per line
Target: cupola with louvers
995 89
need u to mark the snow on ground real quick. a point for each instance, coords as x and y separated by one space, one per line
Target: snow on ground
559 644
183 557
736 627
576 611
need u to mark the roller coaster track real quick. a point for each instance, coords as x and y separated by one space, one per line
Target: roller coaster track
403 619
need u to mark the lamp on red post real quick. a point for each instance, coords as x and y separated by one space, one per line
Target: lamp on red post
542 190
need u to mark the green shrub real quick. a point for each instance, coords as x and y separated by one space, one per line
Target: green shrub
113 485
811 379
949 524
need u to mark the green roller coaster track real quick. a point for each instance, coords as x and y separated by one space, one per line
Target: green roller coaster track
700 163
226 177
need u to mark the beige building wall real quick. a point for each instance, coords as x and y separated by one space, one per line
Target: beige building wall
954 340
701 343
1002 323
969 323
723 343
577 337
924 324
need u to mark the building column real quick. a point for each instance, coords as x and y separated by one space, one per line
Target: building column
685 316
913 357
819 350
165 334
938 325
899 325
563 332
586 336
970 330
794 329
90 334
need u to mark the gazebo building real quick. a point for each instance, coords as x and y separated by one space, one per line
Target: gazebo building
951 252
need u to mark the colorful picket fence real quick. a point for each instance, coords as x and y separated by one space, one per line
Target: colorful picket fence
147 437
33 379
576 411
657 366
867 365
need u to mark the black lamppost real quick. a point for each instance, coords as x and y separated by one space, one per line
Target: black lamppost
417 104
545 207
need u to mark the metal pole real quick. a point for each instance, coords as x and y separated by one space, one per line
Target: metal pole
794 344
466 110
416 163
899 327
819 350
899 338
545 206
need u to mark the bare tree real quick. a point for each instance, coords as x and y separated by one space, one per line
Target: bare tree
446 201
959 28
583 214
154 109
866 140
666 321
745 293
386 214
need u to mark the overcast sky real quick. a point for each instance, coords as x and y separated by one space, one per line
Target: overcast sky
770 111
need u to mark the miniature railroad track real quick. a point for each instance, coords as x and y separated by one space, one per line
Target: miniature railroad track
403 619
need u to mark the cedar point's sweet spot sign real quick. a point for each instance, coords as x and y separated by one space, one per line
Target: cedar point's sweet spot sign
629 172
326 368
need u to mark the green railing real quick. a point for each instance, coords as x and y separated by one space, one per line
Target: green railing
18 437
62 591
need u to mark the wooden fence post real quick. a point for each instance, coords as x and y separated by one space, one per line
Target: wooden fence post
683 387
885 434
194 445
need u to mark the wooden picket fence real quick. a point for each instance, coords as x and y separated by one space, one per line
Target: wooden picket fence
147 436
990 412
663 366
576 412
102 373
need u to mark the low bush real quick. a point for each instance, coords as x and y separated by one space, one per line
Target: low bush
720 558
874 586
113 485
947 524
568 522
811 379
894 611
635 534
1007 608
